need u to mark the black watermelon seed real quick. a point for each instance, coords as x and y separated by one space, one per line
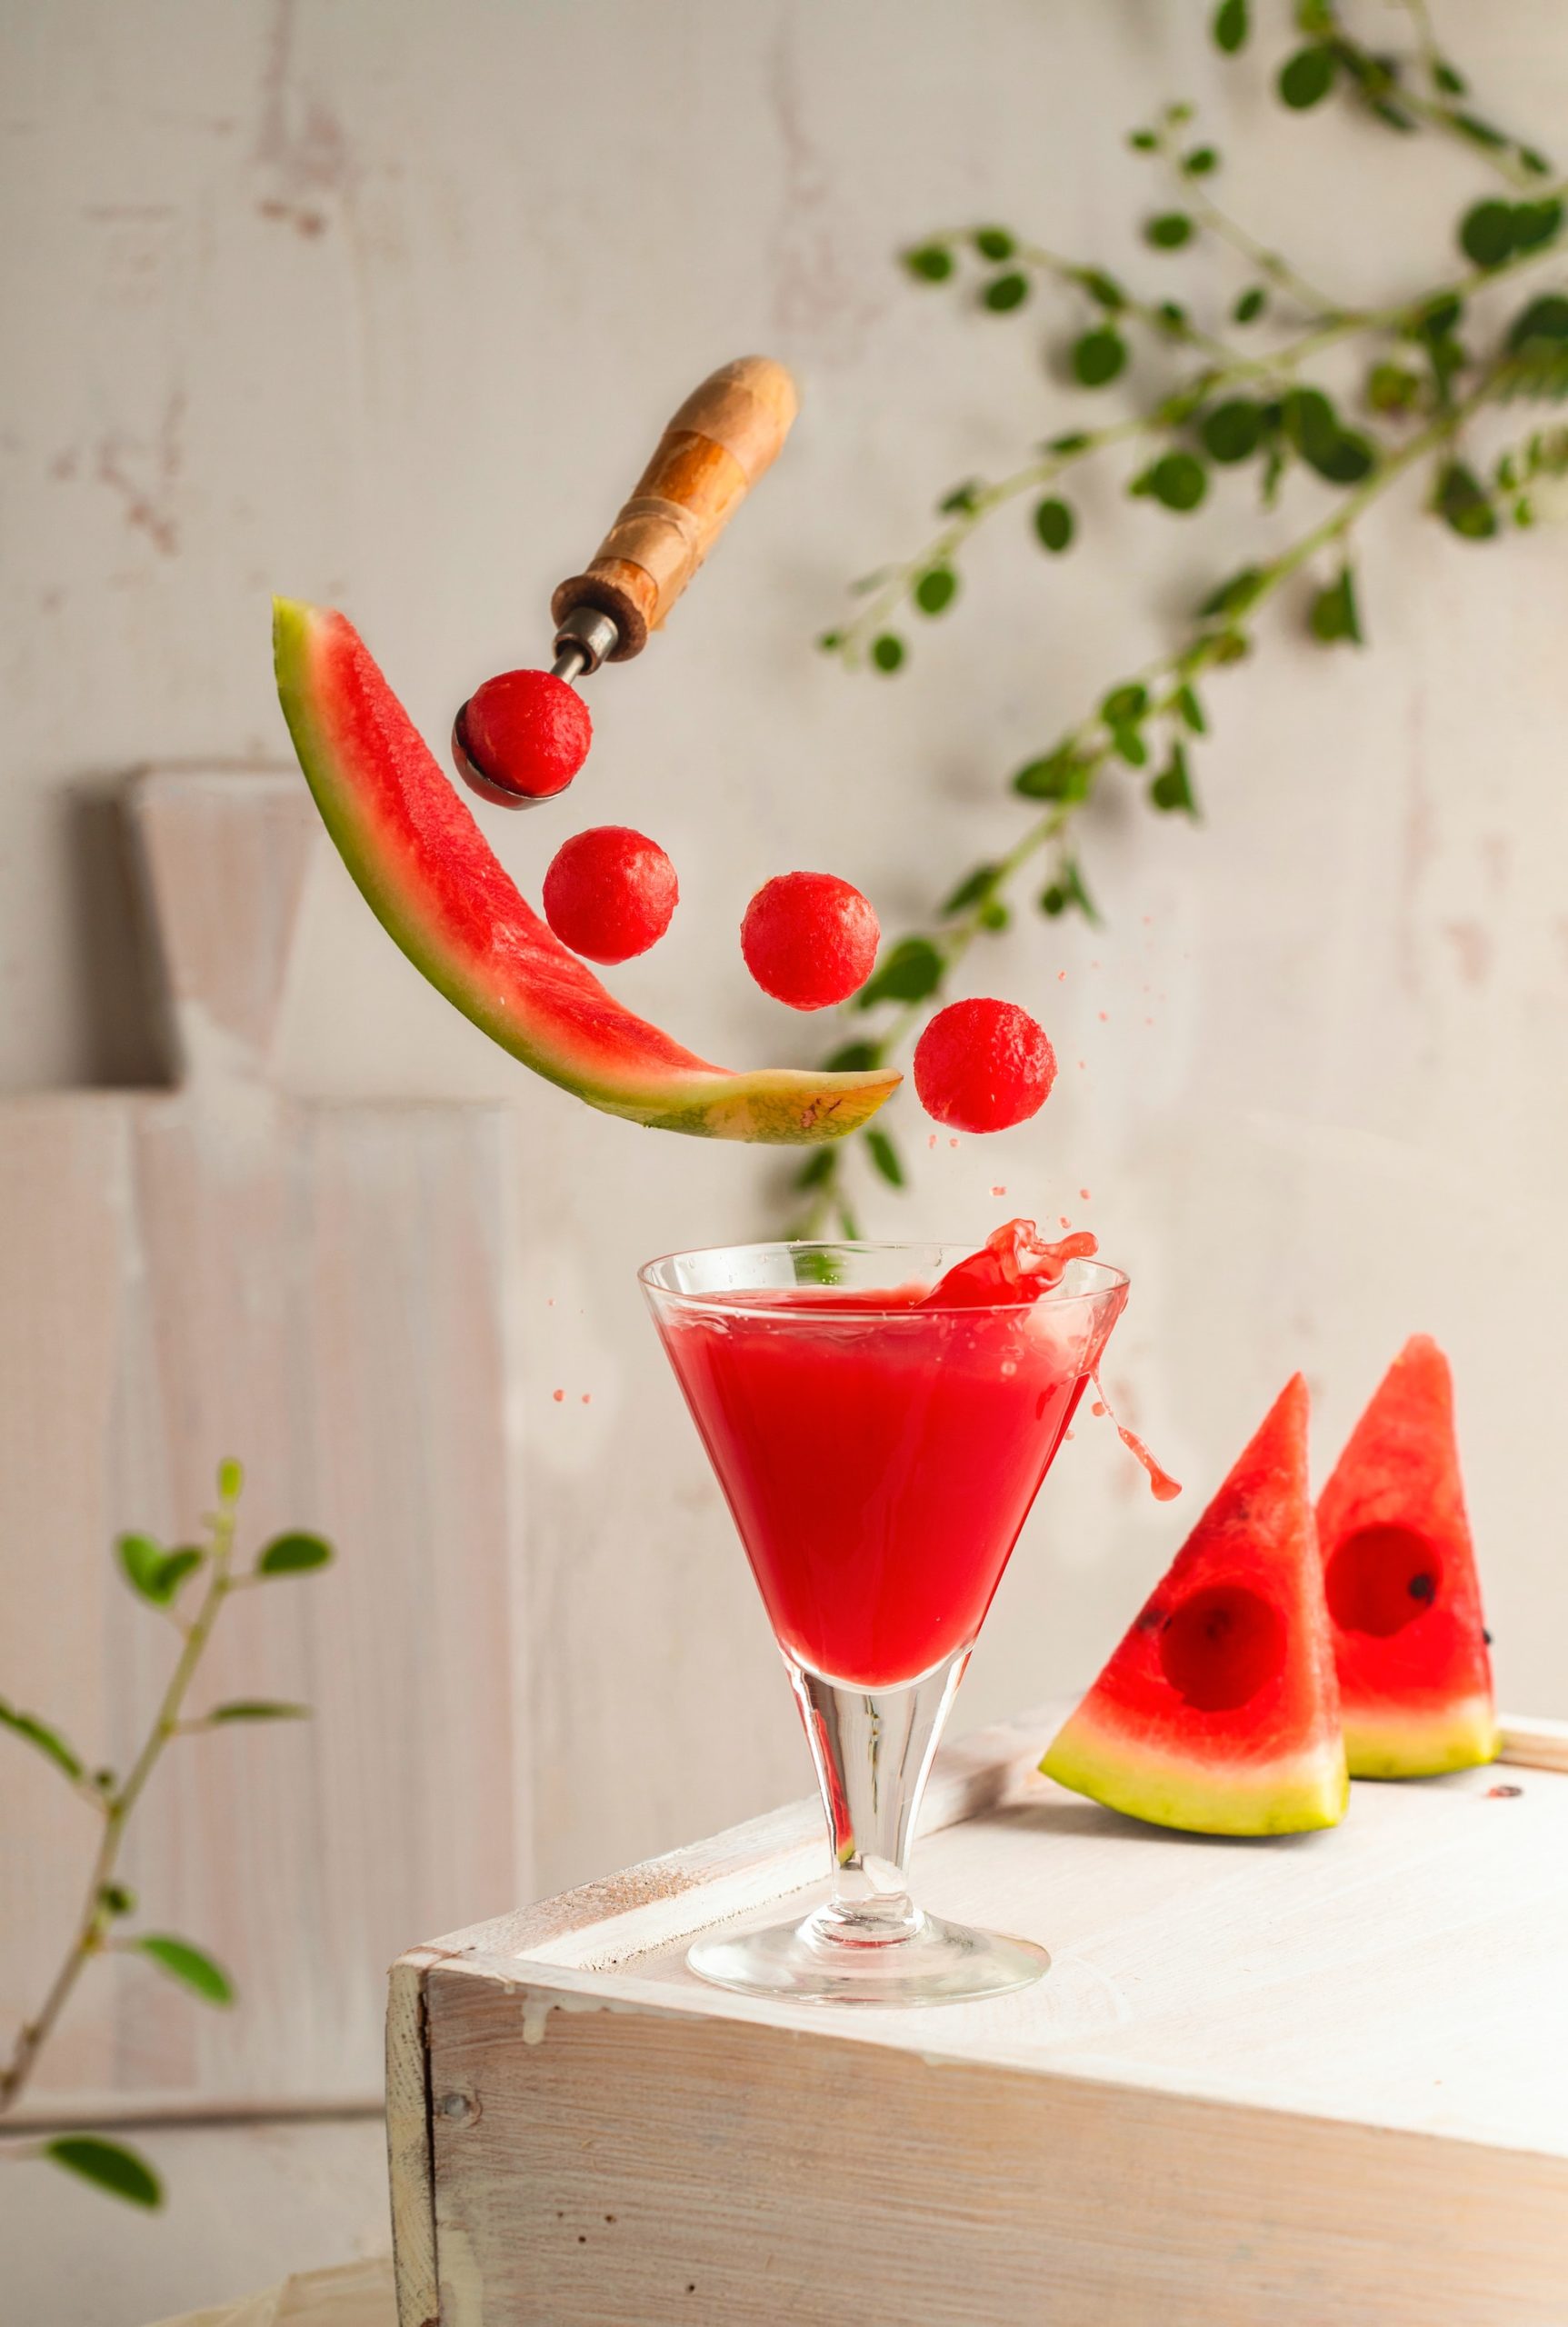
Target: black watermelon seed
1420 1587
1504 1792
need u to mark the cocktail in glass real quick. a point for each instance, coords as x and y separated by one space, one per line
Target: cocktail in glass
880 1418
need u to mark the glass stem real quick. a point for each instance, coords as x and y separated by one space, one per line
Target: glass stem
873 1749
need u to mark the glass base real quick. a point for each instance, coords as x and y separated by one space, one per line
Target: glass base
832 1959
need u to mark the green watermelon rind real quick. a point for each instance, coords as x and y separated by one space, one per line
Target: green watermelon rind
675 1091
1463 1735
1296 1795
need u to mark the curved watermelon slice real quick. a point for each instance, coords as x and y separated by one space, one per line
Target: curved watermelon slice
1399 1567
1219 1711
437 888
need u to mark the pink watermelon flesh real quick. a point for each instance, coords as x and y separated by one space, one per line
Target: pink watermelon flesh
1404 1600
1219 1711
436 887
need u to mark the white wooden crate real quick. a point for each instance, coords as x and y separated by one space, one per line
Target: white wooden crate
1323 2078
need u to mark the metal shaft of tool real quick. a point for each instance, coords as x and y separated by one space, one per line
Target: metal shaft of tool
583 641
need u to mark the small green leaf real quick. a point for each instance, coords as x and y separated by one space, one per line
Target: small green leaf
936 589
48 1740
1450 81
887 651
1201 162
1487 232
1306 78
115 1899
1172 787
994 915
293 1554
231 1480
1054 523
852 1058
1230 27
140 1563
1543 319
1075 891
1393 388
1191 710
1334 615
1098 357
258 1709
930 263
960 500
1005 292
108 2165
190 1965
1053 899
1178 481
973 886
1125 705
1061 774
884 1155
1103 286
1232 431
829 641
1479 132
914 969
994 242
1169 231
177 1565
1535 163
1250 305
1463 503
1536 223
1077 440
1143 141
1172 316
1129 744
1236 594
817 1168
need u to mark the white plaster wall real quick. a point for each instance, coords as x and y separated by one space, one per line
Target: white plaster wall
380 303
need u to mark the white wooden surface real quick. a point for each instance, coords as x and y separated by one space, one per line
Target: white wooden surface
1317 2077
318 1288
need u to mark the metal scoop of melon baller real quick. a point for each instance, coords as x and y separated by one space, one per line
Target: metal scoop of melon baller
522 737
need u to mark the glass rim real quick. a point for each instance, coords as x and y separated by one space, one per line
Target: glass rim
743 1298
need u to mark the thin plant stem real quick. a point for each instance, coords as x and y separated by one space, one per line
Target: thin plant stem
90 1936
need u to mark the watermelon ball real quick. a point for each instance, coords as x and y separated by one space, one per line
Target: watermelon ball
983 1066
520 738
810 939
609 892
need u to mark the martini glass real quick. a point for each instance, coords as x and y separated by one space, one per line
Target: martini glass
879 1452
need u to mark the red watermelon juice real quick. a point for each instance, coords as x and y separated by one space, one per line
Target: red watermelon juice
880 1448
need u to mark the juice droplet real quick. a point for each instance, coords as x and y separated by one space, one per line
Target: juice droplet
999 1192
557 1395
932 1141
587 1397
551 1303
1162 1485
1083 1194
953 1143
1098 1408
1104 1017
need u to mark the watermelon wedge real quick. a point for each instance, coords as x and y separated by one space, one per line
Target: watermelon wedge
436 886
1219 1711
1399 1567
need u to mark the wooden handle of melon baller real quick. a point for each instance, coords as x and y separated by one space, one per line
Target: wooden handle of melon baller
726 434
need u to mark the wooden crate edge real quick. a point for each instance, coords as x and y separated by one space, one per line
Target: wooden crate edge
410 2154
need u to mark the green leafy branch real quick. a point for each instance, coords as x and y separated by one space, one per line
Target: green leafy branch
1430 364
159 1578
